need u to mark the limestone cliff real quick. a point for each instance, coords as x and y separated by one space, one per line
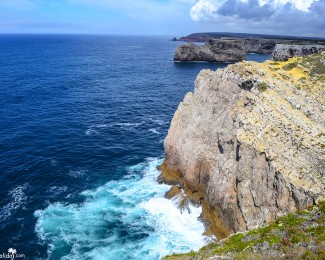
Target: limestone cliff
212 51
249 142
283 52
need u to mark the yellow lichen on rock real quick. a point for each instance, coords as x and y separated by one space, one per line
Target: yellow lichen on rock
250 139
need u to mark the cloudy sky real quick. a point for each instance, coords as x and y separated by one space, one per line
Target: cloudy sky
163 17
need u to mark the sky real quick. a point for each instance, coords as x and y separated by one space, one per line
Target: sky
163 17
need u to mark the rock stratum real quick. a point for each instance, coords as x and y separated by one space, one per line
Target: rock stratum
248 143
212 51
283 52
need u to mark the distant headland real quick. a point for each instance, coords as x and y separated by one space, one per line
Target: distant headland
232 47
205 36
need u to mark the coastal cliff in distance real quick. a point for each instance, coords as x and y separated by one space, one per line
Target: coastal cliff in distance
217 46
248 144
283 52
205 36
212 51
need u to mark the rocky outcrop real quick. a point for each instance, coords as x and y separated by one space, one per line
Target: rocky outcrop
260 46
212 51
249 142
254 43
283 52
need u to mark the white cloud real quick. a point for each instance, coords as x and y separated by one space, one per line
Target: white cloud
204 10
293 17
301 5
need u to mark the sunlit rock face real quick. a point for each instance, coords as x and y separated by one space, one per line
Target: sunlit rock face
212 51
283 52
249 141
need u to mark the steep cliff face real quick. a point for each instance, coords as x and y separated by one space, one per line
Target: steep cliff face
249 142
283 52
212 51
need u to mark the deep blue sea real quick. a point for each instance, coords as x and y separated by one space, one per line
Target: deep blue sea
83 120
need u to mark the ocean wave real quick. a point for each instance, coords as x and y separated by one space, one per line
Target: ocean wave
56 190
95 129
53 163
125 219
77 173
91 131
154 130
18 199
158 121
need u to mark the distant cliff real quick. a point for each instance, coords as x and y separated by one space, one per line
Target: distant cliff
248 143
253 43
283 52
205 36
213 50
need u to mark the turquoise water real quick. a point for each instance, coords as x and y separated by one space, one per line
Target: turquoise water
125 219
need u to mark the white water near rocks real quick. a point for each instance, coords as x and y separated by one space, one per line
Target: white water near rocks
99 227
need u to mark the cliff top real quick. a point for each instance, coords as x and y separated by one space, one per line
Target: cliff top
290 114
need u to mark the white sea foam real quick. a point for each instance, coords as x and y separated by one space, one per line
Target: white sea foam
125 219
77 173
54 163
154 130
158 121
57 189
18 199
95 129
91 131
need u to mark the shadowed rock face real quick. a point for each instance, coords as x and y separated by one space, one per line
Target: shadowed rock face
212 51
250 141
262 46
283 52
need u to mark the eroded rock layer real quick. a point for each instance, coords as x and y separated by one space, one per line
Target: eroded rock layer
249 142
283 52
212 51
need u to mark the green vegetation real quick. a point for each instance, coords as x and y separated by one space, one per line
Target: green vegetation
290 66
317 64
299 235
262 87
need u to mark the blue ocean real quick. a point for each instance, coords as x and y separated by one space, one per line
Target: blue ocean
83 121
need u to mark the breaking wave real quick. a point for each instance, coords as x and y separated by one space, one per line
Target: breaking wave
125 219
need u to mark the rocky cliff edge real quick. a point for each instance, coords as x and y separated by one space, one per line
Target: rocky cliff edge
248 143
212 51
